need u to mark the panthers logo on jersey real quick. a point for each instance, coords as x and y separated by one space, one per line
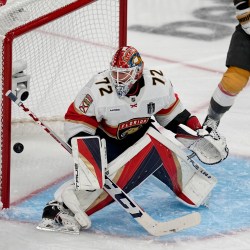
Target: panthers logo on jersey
129 127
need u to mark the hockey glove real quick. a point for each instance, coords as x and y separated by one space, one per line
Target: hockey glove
210 148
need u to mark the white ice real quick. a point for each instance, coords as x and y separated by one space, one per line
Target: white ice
195 68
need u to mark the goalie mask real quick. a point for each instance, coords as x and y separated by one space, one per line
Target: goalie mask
126 68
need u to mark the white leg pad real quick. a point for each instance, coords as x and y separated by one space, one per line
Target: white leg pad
71 201
197 183
197 189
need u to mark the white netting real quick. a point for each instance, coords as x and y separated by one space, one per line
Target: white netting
61 56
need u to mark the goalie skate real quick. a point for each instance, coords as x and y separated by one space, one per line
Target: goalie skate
57 218
71 227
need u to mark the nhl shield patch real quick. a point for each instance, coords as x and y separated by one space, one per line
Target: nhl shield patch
151 108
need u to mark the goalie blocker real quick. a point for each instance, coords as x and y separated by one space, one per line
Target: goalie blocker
190 182
89 154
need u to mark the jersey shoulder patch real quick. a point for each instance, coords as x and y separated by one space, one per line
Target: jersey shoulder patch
85 103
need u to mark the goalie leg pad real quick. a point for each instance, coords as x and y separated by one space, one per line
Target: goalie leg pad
76 201
94 200
195 182
71 201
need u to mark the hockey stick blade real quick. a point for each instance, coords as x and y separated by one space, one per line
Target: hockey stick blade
152 226
146 221
157 228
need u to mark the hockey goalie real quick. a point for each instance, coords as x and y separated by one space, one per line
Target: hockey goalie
113 128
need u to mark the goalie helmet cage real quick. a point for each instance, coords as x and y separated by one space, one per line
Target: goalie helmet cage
63 42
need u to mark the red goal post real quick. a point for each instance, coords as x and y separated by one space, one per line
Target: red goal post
63 43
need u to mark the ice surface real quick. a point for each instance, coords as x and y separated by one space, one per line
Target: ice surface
195 66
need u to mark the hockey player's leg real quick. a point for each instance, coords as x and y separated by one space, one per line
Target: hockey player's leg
70 199
190 182
140 159
232 83
128 170
64 213
155 153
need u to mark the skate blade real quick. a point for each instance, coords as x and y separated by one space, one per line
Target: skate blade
59 229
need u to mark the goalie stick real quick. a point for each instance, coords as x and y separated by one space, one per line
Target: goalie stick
152 226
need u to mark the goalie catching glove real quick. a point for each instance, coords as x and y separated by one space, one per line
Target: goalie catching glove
210 147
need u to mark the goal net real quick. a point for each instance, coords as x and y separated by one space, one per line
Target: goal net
63 43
